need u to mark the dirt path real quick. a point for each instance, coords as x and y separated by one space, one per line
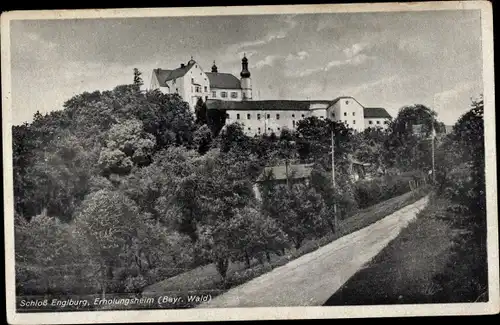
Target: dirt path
311 279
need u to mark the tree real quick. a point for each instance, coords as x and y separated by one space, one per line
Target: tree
403 147
200 111
137 79
127 145
216 119
298 209
105 227
314 140
203 139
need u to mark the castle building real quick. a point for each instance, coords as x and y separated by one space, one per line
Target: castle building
224 91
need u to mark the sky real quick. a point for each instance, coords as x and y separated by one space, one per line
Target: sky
382 59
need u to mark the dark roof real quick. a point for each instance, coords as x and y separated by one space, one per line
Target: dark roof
223 80
264 105
162 75
166 75
376 112
279 172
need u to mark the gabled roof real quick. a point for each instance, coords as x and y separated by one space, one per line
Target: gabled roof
344 97
162 75
263 105
166 75
280 172
223 80
376 112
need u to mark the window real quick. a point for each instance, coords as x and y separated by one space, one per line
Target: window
333 114
386 122
249 129
248 116
258 116
206 88
293 115
268 116
347 102
278 129
370 122
234 94
259 130
237 116
206 98
223 94
173 82
198 89
269 129
353 121
277 116
227 115
302 115
192 80
176 90
214 94
378 122
353 113
293 123
345 113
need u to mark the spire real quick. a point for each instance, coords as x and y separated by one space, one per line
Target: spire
244 67
214 68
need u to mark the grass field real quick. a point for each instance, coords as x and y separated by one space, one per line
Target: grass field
206 278
404 271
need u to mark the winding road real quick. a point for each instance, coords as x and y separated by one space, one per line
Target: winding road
312 278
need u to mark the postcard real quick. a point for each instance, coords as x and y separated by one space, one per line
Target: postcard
249 163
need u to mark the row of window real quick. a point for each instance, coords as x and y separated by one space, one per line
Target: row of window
268 116
223 94
345 114
259 129
378 122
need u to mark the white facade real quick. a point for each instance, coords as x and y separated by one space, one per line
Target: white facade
192 83
349 111
225 91
246 85
226 94
376 122
266 121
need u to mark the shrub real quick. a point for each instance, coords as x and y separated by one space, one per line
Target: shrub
370 192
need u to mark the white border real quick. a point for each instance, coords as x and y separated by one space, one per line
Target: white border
258 313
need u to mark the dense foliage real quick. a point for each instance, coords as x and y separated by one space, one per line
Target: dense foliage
137 188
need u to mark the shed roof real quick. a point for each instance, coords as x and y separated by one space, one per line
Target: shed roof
298 171
376 112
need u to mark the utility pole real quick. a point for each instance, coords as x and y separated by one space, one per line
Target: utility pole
433 159
335 220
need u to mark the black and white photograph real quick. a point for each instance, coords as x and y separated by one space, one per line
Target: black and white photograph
180 164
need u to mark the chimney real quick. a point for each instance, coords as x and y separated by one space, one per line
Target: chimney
182 65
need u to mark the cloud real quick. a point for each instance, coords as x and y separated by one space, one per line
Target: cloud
267 61
376 85
272 59
355 49
280 33
302 55
354 61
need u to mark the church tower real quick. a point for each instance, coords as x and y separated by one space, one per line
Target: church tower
246 81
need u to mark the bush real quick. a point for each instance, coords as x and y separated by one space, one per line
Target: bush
370 192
